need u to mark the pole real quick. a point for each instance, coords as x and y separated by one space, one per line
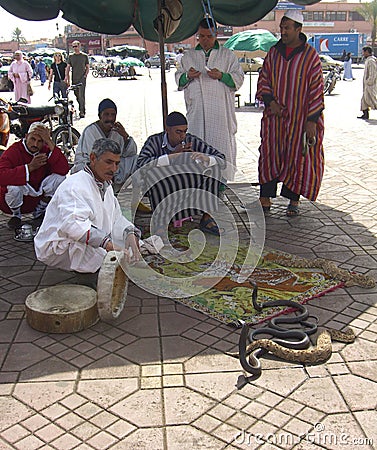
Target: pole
164 92
250 103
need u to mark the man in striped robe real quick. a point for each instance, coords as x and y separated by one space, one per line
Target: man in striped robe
181 174
291 87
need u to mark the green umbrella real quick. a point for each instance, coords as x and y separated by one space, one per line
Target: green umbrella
48 61
251 40
131 62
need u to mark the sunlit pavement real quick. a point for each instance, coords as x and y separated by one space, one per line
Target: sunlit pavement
158 378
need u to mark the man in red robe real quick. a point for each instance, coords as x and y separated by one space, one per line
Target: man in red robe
291 87
30 172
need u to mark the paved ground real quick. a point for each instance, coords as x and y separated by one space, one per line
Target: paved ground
157 378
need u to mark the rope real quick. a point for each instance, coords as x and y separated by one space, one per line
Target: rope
208 14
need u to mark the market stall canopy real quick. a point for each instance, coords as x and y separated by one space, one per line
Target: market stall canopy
115 17
127 50
251 40
131 62
46 52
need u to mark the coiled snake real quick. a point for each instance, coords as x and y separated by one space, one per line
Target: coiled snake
287 344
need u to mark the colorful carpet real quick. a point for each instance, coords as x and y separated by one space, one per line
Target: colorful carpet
278 276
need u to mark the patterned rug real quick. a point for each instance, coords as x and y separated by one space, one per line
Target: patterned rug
278 276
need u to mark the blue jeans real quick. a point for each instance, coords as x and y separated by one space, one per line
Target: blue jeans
59 88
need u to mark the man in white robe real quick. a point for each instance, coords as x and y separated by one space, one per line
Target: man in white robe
369 98
210 75
107 127
83 221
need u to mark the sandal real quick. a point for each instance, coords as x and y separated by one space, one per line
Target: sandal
204 226
265 203
292 210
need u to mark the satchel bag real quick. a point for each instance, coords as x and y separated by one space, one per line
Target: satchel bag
29 89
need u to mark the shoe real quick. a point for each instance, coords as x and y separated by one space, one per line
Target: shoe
213 229
82 115
14 223
292 210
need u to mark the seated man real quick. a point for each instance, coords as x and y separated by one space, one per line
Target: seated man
84 220
30 172
160 156
107 127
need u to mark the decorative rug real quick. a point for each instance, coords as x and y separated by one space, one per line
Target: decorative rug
279 276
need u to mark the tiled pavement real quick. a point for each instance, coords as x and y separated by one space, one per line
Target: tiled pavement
158 378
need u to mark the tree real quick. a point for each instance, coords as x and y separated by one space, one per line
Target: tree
17 36
369 12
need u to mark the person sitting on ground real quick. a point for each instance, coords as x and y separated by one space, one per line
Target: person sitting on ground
108 127
160 156
84 220
30 172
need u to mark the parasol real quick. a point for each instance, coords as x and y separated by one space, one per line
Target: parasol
131 62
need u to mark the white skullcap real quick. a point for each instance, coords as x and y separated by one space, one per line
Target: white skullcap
295 15
35 125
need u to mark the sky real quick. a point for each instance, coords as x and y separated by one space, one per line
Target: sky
30 30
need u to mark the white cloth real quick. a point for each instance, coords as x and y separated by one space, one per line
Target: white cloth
210 103
369 99
15 194
25 72
76 207
93 132
347 74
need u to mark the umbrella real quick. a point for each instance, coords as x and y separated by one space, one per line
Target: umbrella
48 61
127 50
45 52
251 40
147 16
131 62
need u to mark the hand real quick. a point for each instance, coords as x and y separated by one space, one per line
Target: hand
16 75
37 162
193 73
311 129
44 133
132 251
119 128
215 74
276 109
183 147
67 81
202 157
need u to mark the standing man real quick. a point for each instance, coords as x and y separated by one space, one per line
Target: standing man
30 172
291 86
369 98
210 75
20 72
79 63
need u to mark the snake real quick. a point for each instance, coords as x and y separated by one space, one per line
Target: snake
288 344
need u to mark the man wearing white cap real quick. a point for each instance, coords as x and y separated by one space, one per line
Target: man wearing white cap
30 172
291 86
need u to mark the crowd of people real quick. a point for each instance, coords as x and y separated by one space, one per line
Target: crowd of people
79 216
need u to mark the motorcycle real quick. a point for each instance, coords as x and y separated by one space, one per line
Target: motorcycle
330 80
16 118
64 135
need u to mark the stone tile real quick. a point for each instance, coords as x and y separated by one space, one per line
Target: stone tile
70 420
35 422
152 370
367 421
112 366
52 369
142 439
142 351
29 443
180 437
178 349
12 412
14 433
120 429
143 408
320 393
102 440
24 355
207 423
49 432
107 392
182 405
40 395
175 324
357 398
85 431
65 442
142 325
283 381
217 385
55 411
103 419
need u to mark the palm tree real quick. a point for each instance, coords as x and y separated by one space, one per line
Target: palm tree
17 36
369 12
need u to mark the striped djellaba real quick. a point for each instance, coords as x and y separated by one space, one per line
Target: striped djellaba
296 83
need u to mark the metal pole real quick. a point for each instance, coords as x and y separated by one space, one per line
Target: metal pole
250 103
164 92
